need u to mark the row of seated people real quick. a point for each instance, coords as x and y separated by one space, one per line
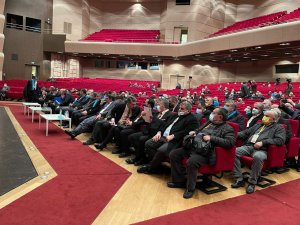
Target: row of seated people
162 136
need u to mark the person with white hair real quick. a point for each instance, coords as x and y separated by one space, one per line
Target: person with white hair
257 139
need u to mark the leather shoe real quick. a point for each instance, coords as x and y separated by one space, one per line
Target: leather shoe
130 160
171 184
70 133
298 169
116 151
100 146
140 162
124 154
89 142
238 183
250 188
144 169
188 193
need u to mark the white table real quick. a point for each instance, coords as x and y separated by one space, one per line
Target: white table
53 117
39 109
30 104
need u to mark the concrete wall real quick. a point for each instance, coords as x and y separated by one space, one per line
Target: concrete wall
27 45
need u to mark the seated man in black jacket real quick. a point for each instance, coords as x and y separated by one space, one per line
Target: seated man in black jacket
169 137
258 138
219 133
138 139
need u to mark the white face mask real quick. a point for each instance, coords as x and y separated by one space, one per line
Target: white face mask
158 108
211 117
182 113
198 111
255 111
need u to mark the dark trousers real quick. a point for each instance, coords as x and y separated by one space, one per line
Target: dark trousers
100 131
138 141
178 171
124 141
158 151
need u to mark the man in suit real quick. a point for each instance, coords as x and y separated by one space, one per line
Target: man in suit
129 111
31 90
87 124
244 90
102 127
256 115
169 137
258 138
121 136
91 109
138 139
219 133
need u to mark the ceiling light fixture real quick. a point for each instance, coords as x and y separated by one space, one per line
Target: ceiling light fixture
284 44
258 47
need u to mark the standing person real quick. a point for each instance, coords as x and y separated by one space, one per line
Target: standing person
31 90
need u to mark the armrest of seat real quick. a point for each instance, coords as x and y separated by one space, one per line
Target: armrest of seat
224 158
276 155
293 147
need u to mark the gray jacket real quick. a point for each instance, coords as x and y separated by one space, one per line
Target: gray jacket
274 134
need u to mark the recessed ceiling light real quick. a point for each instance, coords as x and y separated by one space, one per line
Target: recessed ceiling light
288 53
197 55
246 57
237 60
212 53
105 54
253 59
258 47
214 60
155 56
233 50
122 55
284 44
246 53
264 55
176 58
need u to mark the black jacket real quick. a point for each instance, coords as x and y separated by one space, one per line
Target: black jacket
222 136
118 110
254 121
156 124
182 127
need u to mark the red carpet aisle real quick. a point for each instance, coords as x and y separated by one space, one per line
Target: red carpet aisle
278 205
85 183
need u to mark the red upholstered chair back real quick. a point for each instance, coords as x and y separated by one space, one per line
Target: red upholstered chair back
294 126
293 144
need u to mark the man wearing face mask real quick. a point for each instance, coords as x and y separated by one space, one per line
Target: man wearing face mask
169 137
233 114
219 133
257 114
258 138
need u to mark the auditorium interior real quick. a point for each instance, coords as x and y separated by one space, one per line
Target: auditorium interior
195 50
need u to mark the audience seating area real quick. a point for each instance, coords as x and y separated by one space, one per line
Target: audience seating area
122 35
250 24
98 84
292 16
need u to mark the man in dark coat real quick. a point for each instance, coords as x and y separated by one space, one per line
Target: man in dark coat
169 137
219 133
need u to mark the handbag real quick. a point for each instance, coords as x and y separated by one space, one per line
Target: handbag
188 142
200 146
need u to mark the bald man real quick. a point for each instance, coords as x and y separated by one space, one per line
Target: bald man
257 139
